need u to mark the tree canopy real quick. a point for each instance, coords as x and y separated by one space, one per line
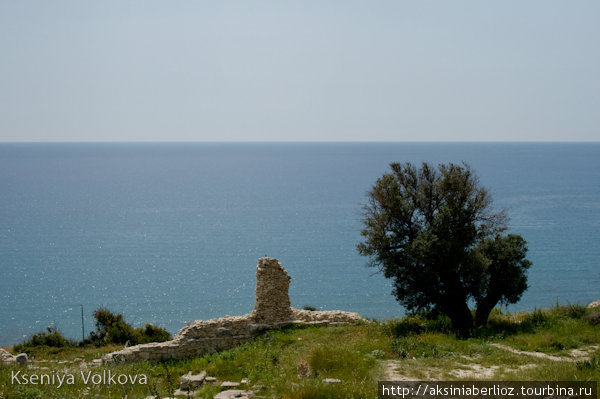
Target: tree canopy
433 232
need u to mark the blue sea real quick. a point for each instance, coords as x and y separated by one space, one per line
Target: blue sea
169 233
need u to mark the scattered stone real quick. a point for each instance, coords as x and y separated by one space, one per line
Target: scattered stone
331 381
21 358
230 384
233 394
245 381
595 304
210 380
6 357
190 381
179 392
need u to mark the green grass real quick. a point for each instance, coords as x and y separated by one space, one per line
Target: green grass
357 355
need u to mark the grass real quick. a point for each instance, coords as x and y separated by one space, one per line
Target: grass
293 362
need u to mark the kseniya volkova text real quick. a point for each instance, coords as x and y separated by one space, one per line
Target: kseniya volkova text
105 377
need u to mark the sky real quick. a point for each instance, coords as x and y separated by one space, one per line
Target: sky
299 70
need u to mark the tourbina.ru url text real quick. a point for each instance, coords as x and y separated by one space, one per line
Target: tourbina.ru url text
461 389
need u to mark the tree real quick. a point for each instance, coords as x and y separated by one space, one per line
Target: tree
433 232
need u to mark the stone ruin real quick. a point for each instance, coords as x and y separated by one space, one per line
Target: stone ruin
272 309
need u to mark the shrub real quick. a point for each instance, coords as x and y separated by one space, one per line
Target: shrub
51 337
111 328
573 311
150 333
537 319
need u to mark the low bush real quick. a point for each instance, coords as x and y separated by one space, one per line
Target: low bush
50 338
150 333
537 318
111 328
573 311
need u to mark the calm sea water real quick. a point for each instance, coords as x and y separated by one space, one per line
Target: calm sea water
170 233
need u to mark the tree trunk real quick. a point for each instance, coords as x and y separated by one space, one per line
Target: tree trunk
484 308
462 319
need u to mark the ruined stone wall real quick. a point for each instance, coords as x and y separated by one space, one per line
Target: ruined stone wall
271 310
272 293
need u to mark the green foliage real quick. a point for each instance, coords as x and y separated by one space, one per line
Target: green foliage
413 325
432 232
150 333
574 311
49 338
552 331
592 364
308 307
111 328
356 354
336 362
537 318
411 348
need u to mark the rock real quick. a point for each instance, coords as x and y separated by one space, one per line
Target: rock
210 380
233 394
595 304
331 381
21 358
6 357
190 381
179 392
245 381
255 328
230 384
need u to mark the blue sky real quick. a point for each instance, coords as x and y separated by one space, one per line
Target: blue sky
299 71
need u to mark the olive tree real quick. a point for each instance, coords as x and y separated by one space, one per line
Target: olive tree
433 232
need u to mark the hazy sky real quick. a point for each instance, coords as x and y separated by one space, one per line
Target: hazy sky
299 71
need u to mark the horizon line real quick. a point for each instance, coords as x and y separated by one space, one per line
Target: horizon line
306 142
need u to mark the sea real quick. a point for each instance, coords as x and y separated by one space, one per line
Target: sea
168 233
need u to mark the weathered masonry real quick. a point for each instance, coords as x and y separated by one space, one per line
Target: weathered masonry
272 309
